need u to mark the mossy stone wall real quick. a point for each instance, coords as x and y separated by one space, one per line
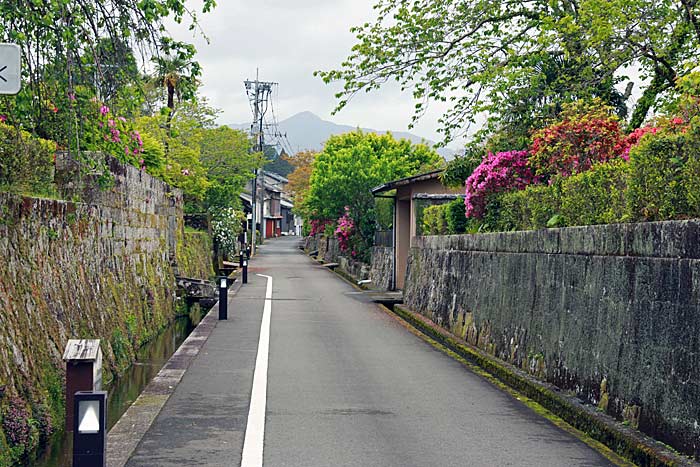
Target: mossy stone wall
609 312
103 269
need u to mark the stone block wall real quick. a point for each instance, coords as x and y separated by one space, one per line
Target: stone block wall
100 268
610 312
382 266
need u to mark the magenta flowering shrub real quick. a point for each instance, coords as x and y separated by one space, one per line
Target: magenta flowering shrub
345 230
318 226
503 171
631 140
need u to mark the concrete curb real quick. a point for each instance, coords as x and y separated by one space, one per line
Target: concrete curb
127 433
622 440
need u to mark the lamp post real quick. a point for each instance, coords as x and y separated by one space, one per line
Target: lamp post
223 298
245 270
90 429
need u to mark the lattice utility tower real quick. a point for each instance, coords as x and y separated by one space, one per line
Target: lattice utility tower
259 94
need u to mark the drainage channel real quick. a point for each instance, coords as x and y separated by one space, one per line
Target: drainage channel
124 390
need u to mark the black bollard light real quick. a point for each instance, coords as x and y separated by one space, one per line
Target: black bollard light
223 297
240 259
90 429
245 271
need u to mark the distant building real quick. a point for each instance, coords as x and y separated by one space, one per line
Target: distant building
274 209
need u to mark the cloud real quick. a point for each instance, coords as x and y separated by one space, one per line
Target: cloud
287 41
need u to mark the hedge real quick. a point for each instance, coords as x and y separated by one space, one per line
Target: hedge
661 181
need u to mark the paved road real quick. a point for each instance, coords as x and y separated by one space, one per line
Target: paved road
346 386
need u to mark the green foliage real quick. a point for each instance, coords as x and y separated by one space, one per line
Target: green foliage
26 163
350 166
69 45
182 167
278 163
435 220
515 61
226 155
384 208
457 221
597 196
461 167
664 176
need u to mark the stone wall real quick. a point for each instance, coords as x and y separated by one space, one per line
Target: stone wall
194 253
609 312
382 266
99 269
329 252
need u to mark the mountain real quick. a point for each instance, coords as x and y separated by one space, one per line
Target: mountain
306 130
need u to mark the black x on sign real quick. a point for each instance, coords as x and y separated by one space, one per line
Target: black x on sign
10 69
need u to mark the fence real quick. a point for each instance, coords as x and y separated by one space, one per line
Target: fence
384 238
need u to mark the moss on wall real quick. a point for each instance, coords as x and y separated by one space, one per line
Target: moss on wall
102 270
194 254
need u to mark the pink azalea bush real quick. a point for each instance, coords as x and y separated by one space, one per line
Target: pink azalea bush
318 226
345 230
631 140
503 171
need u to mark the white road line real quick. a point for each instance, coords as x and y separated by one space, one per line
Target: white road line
255 430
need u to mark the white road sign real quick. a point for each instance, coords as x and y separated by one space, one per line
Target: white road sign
10 69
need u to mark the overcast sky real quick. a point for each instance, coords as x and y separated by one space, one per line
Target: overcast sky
288 40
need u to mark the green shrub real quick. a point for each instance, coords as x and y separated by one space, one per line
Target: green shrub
658 188
535 207
456 218
435 220
26 163
597 196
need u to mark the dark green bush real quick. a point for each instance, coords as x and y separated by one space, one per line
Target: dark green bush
535 207
597 196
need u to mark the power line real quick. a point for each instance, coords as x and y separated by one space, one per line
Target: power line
259 93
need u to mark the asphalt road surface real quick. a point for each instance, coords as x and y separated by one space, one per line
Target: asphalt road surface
339 383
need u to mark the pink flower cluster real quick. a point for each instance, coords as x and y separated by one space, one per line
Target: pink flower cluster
116 131
503 171
345 229
319 226
631 140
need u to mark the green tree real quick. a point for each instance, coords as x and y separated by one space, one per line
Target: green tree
178 72
520 61
72 44
661 37
350 166
516 61
227 157
461 167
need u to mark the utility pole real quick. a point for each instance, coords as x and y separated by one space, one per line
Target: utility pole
259 93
